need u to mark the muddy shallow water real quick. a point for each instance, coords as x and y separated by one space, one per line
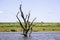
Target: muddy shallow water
34 36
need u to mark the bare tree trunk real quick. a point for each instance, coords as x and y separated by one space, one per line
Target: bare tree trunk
25 32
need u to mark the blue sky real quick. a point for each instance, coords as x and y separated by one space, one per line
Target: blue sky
44 10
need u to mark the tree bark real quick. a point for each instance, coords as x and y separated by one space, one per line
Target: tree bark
25 32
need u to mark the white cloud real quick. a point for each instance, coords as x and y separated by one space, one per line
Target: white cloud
1 11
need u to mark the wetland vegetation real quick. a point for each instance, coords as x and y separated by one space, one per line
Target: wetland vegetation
36 27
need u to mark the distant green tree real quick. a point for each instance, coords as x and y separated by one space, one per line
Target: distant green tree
27 25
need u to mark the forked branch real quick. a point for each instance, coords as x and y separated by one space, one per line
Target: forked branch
19 20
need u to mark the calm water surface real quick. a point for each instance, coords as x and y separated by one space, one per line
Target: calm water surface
34 36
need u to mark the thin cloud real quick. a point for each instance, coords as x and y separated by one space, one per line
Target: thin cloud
1 11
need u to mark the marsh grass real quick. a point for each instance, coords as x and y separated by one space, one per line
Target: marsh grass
37 27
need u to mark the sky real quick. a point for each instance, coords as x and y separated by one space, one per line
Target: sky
43 10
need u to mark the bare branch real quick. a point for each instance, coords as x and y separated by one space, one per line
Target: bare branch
22 15
28 17
19 20
30 31
32 23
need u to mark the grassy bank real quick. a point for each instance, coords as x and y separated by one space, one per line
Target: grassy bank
37 27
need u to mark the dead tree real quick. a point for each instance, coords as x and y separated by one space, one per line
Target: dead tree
27 24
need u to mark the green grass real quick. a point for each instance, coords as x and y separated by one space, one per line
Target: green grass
37 27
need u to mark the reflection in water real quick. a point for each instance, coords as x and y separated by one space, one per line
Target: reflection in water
25 38
34 36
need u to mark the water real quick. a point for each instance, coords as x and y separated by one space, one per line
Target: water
34 36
